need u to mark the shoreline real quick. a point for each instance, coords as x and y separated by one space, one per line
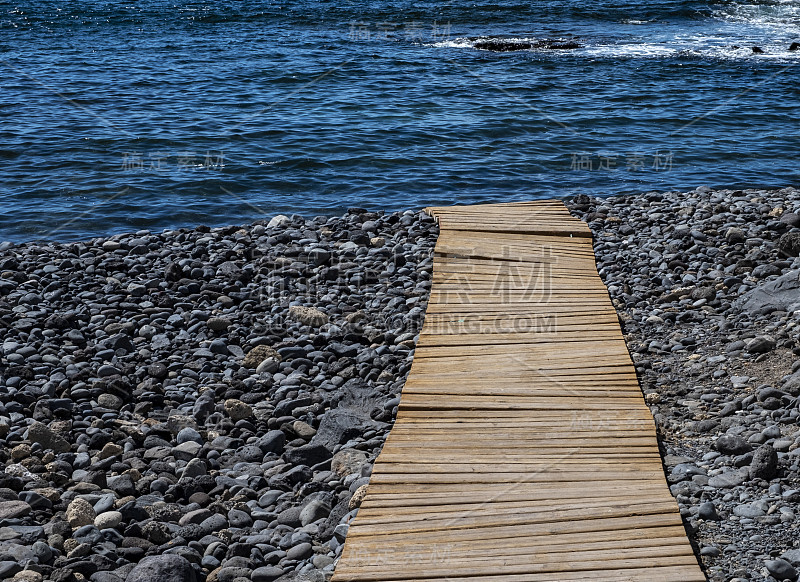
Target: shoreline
130 353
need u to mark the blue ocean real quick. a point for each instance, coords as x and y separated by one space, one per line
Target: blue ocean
140 114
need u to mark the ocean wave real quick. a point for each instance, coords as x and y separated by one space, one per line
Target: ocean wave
781 17
727 52
688 47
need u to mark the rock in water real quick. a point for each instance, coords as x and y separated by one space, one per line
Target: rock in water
502 46
165 568
508 45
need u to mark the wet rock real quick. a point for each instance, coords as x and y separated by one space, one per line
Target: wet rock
500 45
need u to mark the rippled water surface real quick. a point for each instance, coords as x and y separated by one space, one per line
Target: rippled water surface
119 116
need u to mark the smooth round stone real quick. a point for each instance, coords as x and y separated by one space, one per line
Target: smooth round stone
108 520
110 401
266 574
188 434
300 551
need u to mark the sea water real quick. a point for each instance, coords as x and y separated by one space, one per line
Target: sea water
139 114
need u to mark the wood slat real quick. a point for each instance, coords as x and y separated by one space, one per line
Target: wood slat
523 450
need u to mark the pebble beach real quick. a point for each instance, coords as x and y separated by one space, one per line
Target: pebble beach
706 285
202 405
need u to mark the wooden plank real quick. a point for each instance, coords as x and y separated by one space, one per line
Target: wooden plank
472 520
513 573
542 561
508 507
395 498
506 531
688 573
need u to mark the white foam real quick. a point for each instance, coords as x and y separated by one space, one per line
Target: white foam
698 46
781 17
661 51
470 43
455 43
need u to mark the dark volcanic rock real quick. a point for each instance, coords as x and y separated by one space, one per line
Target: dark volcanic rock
500 45
765 463
165 568
310 454
779 294
160 393
732 445
789 244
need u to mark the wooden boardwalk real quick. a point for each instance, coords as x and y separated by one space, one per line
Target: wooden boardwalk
523 450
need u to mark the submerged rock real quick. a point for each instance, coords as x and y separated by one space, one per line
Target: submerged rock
500 45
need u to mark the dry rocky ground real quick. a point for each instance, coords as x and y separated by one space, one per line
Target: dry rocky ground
707 288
